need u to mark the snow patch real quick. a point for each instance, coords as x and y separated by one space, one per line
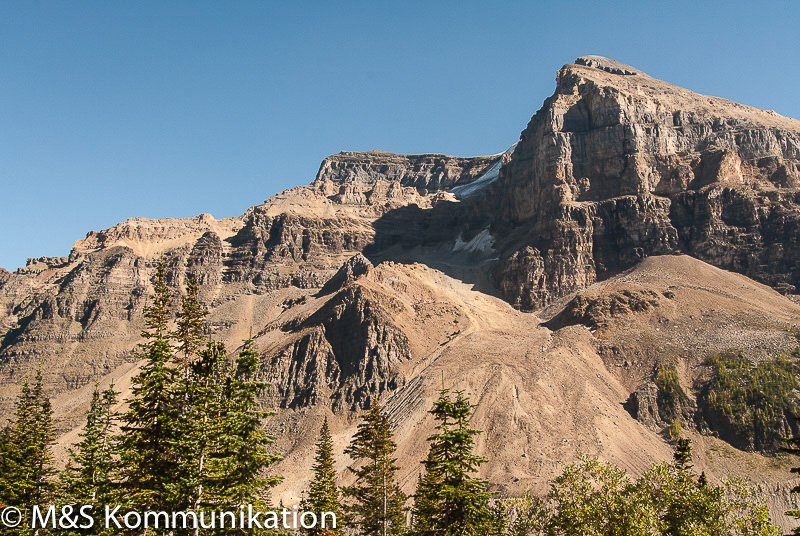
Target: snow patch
482 242
488 177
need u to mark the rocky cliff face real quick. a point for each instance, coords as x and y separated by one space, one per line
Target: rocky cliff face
429 172
617 166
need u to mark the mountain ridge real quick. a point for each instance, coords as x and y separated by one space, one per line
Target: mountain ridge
634 222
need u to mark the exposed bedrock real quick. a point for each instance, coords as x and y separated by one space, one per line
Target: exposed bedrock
423 171
348 352
618 165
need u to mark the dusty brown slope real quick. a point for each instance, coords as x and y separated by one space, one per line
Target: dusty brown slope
545 395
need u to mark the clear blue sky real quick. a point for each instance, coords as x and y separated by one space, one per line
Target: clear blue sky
169 109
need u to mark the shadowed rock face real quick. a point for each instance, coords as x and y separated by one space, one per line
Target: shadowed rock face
348 353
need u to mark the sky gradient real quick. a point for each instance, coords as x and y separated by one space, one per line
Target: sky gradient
112 110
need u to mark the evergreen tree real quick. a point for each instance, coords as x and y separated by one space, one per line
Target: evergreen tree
378 505
89 475
683 454
450 501
27 469
323 494
191 328
200 441
426 499
247 453
149 461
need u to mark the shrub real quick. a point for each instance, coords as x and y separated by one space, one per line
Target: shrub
671 395
750 402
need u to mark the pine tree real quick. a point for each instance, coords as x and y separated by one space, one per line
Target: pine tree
149 461
450 501
27 468
191 328
89 476
683 454
323 494
247 453
377 505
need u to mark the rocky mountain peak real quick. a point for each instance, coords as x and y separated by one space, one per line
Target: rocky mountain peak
352 269
390 271
608 65
617 166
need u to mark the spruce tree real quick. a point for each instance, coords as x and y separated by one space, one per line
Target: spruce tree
377 505
27 465
198 393
449 500
191 328
426 499
149 461
683 454
90 472
323 494
200 441
247 445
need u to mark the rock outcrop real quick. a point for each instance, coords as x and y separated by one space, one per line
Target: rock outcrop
348 353
429 172
617 166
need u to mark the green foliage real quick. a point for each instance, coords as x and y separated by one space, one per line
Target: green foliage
198 446
26 464
246 446
190 332
591 498
525 516
323 494
150 430
683 454
597 499
793 447
751 400
192 437
449 499
671 395
90 472
674 430
377 506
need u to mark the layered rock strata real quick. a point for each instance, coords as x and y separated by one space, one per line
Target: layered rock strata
617 166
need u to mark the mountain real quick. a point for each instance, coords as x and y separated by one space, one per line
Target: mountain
634 223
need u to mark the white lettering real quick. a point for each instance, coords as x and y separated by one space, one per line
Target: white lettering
86 513
37 517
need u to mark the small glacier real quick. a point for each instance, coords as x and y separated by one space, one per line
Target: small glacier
488 177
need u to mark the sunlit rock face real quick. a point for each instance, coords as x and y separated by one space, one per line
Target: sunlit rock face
617 166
